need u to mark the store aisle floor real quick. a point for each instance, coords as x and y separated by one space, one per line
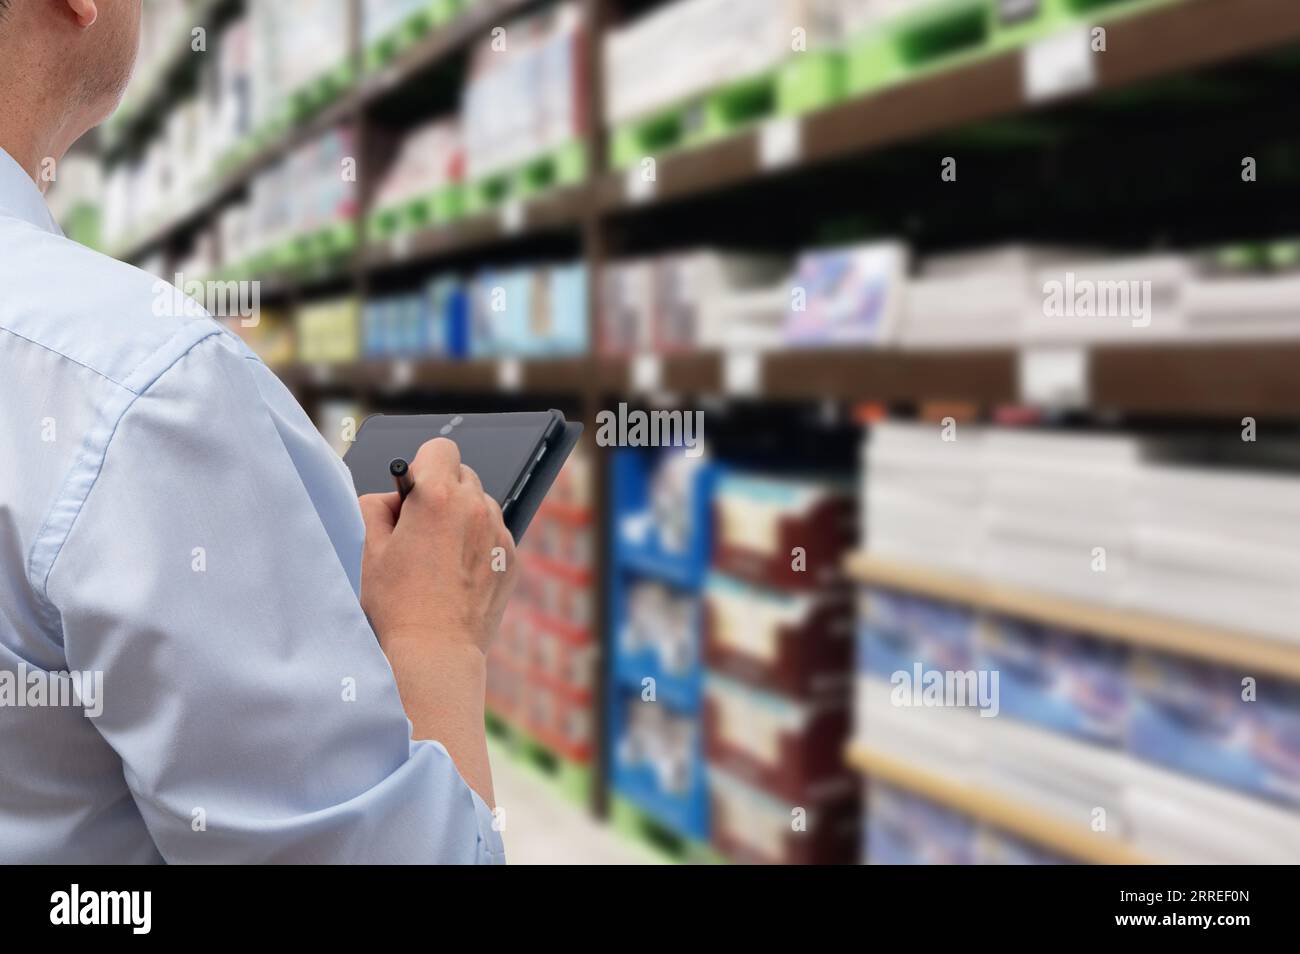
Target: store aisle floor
542 828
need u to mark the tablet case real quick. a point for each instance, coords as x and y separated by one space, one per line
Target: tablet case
370 472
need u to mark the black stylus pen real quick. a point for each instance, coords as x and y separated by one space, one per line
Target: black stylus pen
401 472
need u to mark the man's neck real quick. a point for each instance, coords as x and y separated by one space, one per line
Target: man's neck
34 142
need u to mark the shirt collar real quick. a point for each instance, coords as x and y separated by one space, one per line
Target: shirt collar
20 198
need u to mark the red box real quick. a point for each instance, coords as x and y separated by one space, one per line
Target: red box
788 748
800 644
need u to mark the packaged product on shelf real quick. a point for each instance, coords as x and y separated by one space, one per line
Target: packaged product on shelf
664 742
922 495
661 621
297 42
1212 723
897 632
329 331
1122 299
1217 542
1057 679
905 829
429 158
750 825
524 93
1242 308
782 531
379 18
322 195
1058 513
789 748
798 643
627 307
529 311
689 47
848 296
692 289
975 298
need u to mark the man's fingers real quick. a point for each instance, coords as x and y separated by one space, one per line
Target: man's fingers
437 461
379 513
469 478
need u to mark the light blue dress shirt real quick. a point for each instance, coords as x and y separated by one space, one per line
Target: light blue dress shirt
173 524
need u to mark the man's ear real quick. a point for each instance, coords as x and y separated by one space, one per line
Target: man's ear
85 11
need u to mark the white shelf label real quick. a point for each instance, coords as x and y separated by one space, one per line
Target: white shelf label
1059 65
640 183
401 374
780 143
647 373
512 217
400 244
742 373
1054 376
510 374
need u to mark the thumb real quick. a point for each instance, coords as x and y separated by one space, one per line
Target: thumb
379 514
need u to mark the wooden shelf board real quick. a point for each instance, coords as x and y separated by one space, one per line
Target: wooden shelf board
1252 653
1039 827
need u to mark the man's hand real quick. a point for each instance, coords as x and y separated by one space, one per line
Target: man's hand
436 574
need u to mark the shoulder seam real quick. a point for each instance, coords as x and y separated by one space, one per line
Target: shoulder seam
81 364
83 474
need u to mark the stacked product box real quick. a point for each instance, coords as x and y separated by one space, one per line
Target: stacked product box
530 311
525 100
694 300
433 321
296 43
304 206
778 646
329 331
1180 760
1201 531
905 829
661 67
421 185
661 531
541 677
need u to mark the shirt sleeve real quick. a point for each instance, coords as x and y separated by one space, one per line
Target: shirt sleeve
255 715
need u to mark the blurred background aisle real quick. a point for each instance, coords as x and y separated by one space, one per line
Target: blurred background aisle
967 529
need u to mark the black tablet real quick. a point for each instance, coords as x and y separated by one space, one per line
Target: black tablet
516 456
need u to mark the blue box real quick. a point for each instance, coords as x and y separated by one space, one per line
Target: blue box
1057 679
1192 717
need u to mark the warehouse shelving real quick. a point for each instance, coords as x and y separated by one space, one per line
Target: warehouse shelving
1041 828
1255 653
1255 378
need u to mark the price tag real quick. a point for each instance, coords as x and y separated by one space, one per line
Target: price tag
400 244
1054 376
742 373
647 373
401 374
512 217
510 374
641 182
780 143
1059 65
